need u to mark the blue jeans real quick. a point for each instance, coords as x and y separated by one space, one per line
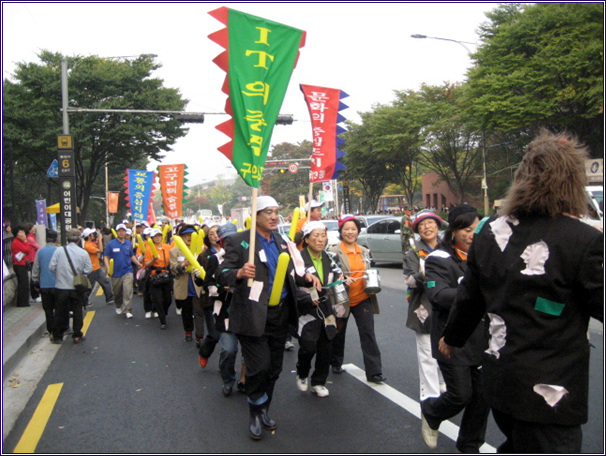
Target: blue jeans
227 358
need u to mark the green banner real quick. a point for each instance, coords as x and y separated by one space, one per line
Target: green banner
262 56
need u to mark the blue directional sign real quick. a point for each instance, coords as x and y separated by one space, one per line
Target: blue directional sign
53 169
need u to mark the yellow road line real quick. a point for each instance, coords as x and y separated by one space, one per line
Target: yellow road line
33 432
88 319
99 291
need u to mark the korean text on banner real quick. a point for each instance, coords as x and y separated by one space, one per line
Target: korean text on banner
259 59
172 184
139 191
324 105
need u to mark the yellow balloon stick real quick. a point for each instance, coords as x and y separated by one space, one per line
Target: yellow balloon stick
165 230
247 223
294 222
114 233
189 256
153 248
141 244
234 221
194 242
276 291
200 244
111 267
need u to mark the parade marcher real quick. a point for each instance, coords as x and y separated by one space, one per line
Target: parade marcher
45 279
204 305
22 251
427 225
537 272
354 260
142 276
317 323
406 232
30 229
121 251
69 300
444 269
160 278
261 329
183 284
220 299
93 245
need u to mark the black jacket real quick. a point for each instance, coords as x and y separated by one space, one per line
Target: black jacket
444 269
541 304
247 316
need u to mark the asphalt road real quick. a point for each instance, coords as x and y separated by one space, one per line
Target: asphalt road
132 388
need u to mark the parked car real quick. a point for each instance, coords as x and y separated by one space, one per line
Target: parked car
333 232
367 220
382 238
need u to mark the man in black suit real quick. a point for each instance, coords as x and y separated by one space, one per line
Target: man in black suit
262 328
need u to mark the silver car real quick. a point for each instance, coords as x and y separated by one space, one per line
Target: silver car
382 238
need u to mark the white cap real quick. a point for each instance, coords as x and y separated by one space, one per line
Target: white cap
314 204
142 222
147 231
154 232
263 202
87 232
310 226
129 231
121 226
125 222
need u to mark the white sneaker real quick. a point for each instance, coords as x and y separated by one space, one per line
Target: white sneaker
119 310
302 384
129 315
148 314
320 390
430 436
156 315
178 311
38 299
288 346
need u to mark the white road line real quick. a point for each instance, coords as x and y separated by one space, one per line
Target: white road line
447 428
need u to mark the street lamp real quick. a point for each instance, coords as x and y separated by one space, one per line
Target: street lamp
462 43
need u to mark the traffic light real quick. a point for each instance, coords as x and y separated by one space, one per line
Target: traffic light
284 119
191 117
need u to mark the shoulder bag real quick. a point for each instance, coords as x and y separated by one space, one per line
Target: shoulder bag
81 282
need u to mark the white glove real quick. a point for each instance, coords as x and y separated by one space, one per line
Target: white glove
197 272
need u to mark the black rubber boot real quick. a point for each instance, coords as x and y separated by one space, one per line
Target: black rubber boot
267 422
255 426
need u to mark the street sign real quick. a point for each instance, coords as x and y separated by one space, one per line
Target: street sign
293 168
53 169
66 163
65 142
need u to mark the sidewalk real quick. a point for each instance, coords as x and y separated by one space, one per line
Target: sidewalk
22 328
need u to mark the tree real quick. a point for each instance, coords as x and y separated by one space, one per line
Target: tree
451 146
541 65
32 119
364 163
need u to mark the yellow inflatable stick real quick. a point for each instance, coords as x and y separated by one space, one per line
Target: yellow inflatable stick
114 233
247 223
194 242
293 224
165 231
200 244
276 291
189 256
141 244
235 222
111 267
153 248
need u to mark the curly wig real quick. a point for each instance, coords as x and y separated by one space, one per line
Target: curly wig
551 179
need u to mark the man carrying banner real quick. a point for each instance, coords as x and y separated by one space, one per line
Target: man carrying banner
262 328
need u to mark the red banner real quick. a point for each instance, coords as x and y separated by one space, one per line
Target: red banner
112 202
172 183
324 105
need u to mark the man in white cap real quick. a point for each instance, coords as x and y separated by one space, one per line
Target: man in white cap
93 245
122 278
261 329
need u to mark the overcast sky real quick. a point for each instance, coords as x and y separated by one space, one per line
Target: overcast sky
364 49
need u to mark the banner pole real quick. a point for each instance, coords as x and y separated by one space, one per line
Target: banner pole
253 229
311 188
